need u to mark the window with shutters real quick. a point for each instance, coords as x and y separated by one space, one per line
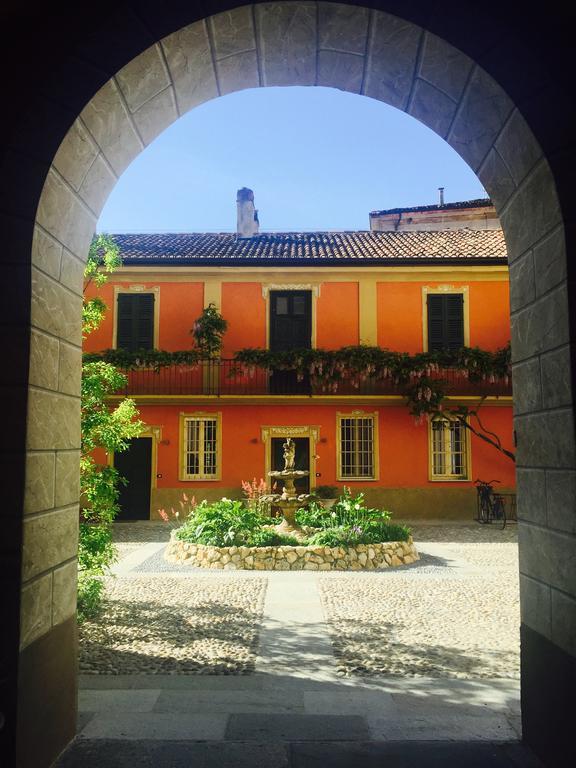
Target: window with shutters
449 449
200 447
135 321
357 446
445 321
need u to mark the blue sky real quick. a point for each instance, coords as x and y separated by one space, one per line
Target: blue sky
316 158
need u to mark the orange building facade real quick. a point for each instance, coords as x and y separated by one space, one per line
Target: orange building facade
211 427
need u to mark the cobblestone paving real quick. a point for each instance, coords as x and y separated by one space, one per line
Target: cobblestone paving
162 625
453 614
463 533
141 531
431 618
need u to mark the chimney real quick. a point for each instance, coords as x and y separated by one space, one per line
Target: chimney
247 215
441 203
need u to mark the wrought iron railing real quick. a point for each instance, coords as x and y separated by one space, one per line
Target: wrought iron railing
220 377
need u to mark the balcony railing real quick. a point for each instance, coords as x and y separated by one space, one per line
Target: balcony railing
228 378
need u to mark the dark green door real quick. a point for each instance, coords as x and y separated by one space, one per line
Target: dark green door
290 328
301 462
135 464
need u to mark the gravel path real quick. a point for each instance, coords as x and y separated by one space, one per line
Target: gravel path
459 533
434 618
162 625
452 614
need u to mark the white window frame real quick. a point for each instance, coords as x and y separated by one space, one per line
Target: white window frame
447 451
201 419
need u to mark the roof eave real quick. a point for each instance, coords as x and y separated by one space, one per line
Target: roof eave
324 262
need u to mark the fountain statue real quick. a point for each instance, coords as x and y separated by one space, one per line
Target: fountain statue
289 500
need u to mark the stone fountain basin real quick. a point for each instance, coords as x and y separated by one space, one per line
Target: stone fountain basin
388 554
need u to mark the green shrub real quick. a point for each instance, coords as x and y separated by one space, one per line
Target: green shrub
333 537
228 522
314 515
375 533
348 512
90 590
352 511
346 536
223 523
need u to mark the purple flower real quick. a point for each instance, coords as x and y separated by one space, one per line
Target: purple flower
357 530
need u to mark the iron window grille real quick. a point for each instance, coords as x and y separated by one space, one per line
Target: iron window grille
357 448
201 448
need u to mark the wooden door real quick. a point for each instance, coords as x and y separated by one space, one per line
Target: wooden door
290 328
135 464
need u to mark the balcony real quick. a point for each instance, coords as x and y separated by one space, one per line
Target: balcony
228 378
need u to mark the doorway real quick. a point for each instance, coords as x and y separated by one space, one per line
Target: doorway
135 465
301 461
290 328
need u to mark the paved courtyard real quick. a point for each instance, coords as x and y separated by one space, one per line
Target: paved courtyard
422 653
454 614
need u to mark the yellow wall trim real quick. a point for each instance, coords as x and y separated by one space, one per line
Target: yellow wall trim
290 430
301 274
368 312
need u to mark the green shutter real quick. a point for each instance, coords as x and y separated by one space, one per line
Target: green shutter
445 321
454 313
135 325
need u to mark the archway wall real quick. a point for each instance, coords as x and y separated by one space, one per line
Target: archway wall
293 43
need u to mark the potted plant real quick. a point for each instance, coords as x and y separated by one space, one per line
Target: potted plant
327 495
208 331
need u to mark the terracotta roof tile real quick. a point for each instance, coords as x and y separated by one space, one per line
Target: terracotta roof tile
460 245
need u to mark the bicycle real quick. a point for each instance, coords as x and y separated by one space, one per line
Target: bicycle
491 506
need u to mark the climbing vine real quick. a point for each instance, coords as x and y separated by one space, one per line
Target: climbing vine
418 377
208 331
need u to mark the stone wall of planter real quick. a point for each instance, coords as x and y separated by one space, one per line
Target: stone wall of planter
292 558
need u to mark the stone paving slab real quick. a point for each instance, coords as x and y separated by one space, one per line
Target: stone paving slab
117 701
441 728
161 726
229 702
349 702
109 753
412 755
171 682
273 727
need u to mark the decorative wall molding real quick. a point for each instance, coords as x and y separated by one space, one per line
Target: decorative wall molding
314 287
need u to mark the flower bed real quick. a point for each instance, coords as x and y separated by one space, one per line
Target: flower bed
293 558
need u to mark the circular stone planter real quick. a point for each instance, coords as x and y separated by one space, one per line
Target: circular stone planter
293 558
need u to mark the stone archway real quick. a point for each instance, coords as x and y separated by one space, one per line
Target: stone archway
296 43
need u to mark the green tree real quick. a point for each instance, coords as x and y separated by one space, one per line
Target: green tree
109 428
